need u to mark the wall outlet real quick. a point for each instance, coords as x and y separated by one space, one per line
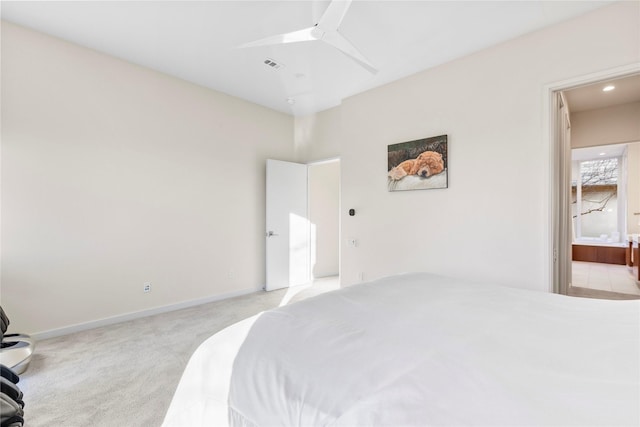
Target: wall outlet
146 287
361 276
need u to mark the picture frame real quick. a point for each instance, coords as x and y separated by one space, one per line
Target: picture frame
421 164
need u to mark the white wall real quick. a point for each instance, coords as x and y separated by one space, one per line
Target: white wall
492 223
319 136
633 188
114 175
603 126
324 215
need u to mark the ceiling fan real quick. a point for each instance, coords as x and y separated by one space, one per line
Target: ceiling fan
326 30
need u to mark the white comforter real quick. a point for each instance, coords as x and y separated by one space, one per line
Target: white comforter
420 349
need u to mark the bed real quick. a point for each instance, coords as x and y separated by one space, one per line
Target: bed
420 349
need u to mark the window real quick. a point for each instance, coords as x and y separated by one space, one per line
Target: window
597 199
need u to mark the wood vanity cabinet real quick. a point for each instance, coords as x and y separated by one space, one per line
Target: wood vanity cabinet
636 261
603 254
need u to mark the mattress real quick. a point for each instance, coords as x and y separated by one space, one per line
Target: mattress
420 349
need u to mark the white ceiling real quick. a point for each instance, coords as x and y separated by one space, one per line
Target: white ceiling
591 153
198 40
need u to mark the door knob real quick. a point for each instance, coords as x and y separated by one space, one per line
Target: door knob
271 234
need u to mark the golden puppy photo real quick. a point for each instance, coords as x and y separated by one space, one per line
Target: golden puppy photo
419 164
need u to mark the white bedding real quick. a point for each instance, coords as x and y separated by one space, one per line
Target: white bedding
420 349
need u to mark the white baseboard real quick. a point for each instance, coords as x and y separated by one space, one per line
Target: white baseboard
39 336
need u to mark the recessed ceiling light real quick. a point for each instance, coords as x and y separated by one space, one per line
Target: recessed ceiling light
602 154
608 88
291 101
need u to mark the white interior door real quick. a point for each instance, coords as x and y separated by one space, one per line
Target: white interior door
288 228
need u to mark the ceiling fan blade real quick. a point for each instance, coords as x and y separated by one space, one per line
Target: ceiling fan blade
308 34
338 41
333 16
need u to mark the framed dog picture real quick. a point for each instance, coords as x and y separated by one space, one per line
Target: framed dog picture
418 165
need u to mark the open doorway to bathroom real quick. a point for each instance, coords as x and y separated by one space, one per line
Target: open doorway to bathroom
604 193
604 198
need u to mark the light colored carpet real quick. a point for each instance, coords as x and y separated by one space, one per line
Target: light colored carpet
126 374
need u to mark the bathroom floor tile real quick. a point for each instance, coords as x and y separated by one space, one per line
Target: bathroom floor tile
604 277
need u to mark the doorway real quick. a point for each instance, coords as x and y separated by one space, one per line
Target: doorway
605 190
302 223
576 107
324 217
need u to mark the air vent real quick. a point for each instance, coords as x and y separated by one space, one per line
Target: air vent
273 64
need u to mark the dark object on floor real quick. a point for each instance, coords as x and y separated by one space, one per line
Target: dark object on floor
16 349
11 403
15 353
